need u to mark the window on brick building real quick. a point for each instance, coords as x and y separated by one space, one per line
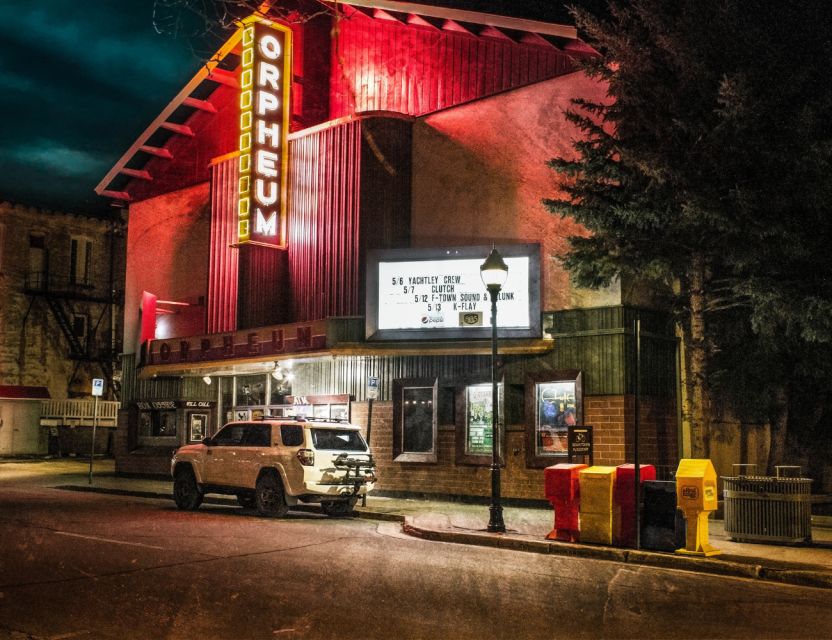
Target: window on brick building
36 273
415 405
553 404
80 260
79 326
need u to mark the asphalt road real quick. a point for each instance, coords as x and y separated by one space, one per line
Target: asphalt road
82 565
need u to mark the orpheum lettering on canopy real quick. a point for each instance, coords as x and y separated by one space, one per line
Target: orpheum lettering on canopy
265 76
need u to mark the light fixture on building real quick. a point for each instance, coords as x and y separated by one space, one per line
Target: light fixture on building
277 373
206 379
494 272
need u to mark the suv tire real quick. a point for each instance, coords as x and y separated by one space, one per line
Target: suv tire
186 491
338 508
269 497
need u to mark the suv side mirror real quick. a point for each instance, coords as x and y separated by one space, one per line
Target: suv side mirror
207 441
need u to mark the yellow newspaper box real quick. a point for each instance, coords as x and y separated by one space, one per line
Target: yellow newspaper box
696 496
599 516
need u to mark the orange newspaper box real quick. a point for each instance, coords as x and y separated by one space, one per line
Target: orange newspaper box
563 491
696 496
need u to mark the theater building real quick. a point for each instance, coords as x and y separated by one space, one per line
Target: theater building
309 214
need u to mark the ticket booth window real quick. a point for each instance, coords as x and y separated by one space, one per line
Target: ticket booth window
415 419
155 424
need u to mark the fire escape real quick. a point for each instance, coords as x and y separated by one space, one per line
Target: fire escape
85 311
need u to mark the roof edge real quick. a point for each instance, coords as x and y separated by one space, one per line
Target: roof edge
461 15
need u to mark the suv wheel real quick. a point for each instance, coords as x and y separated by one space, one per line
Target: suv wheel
268 496
338 509
186 492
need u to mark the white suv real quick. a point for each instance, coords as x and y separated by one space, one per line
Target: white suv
275 464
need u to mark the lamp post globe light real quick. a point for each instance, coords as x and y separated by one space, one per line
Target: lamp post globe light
494 272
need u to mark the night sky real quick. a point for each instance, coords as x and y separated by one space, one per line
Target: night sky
81 80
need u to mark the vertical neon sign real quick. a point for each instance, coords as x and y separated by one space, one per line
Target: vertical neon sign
265 77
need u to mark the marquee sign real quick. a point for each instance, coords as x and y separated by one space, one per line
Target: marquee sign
265 77
439 294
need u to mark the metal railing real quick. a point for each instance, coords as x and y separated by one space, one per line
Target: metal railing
95 285
768 508
78 412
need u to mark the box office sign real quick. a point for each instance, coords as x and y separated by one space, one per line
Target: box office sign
165 405
264 341
438 294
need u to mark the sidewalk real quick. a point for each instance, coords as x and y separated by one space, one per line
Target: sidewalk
461 523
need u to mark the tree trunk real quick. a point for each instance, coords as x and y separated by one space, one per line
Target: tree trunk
698 394
779 424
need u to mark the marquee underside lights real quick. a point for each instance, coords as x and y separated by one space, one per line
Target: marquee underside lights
265 76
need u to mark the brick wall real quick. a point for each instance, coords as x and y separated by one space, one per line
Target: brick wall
611 416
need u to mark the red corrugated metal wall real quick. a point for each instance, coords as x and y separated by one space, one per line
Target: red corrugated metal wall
222 282
390 66
323 228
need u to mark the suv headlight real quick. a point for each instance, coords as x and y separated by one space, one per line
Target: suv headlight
306 457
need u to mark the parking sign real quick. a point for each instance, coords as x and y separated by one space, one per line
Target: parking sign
372 388
98 386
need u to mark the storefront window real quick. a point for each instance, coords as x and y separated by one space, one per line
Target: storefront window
555 405
279 389
251 390
415 420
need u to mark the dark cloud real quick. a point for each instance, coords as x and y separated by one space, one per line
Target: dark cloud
79 82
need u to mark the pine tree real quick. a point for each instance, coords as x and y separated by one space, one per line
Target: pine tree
707 173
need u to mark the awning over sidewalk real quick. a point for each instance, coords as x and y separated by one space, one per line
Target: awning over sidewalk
20 392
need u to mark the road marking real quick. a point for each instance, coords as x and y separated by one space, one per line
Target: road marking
132 544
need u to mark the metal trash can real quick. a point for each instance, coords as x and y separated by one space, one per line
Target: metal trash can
766 508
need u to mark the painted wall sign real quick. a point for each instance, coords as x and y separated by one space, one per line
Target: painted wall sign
265 77
438 293
264 341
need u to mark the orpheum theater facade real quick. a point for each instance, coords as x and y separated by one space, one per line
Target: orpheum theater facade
309 214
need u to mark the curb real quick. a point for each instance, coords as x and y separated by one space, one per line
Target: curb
728 566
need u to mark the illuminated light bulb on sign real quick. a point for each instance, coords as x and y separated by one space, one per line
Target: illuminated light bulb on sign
264 124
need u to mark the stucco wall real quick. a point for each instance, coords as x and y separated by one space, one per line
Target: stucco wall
480 175
167 255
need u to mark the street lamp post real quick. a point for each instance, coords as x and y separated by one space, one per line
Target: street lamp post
493 273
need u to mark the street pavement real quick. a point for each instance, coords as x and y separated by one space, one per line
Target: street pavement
463 523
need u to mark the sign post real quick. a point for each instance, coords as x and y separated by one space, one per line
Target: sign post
372 394
97 392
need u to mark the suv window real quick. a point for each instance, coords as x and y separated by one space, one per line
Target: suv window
338 440
231 435
259 435
291 435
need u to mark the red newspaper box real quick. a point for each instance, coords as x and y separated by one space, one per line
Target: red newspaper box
564 493
624 495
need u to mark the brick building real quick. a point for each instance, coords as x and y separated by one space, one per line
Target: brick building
60 321
311 210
